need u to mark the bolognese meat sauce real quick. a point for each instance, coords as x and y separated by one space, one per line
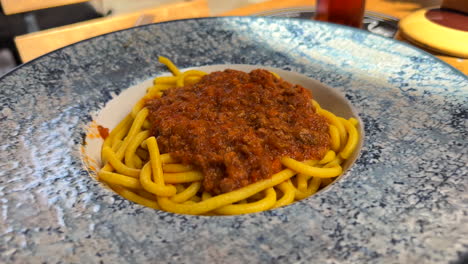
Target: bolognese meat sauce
235 127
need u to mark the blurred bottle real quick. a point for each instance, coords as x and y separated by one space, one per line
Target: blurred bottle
344 12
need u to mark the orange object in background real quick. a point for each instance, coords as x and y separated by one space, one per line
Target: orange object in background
344 12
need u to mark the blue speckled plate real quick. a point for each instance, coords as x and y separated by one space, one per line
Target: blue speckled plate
404 201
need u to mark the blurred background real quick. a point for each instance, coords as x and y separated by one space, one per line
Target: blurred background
30 28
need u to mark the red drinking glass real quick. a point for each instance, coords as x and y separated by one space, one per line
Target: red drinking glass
344 12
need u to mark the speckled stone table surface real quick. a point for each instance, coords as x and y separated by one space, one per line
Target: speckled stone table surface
404 201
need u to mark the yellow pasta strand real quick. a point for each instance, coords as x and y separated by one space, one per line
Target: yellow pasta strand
176 168
183 177
181 78
122 132
117 134
107 143
302 182
353 139
335 162
107 168
255 197
157 89
156 167
314 185
242 201
190 80
205 196
336 122
316 106
187 193
117 164
309 170
166 158
126 122
353 121
275 74
134 129
137 107
169 65
312 163
311 189
329 156
264 204
138 163
165 80
129 195
146 125
150 186
119 179
117 145
334 138
288 194
132 146
147 195
152 94
225 198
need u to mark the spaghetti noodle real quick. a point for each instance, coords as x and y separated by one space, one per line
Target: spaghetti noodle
135 168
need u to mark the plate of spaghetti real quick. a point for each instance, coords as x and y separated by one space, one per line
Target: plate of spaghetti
234 140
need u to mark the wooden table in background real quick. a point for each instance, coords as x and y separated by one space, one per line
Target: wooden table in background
35 44
398 9
19 6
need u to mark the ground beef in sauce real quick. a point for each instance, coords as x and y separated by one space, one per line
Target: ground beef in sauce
235 127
